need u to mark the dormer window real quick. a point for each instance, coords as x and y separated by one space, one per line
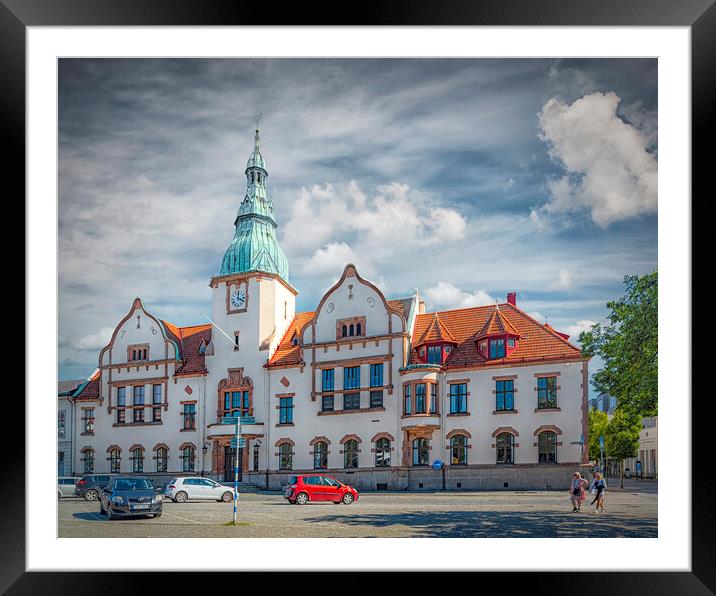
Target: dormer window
497 348
435 354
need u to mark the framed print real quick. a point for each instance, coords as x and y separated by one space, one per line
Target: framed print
396 280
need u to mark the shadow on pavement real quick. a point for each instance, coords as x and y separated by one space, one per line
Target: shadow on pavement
89 516
466 524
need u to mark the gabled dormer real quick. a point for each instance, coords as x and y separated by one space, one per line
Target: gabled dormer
436 343
498 338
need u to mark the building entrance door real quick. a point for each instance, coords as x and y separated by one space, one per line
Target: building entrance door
230 462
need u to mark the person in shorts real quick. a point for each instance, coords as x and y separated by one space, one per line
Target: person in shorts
576 491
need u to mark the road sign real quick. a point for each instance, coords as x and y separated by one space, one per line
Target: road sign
601 442
248 420
437 464
242 443
229 420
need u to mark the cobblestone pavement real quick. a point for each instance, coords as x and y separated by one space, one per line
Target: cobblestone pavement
630 513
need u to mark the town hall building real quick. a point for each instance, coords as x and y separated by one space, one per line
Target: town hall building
378 393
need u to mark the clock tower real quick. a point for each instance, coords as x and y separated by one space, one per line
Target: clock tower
253 301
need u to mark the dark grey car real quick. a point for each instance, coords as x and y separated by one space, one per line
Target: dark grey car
128 495
90 485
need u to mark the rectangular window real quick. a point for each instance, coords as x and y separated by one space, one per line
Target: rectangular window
120 416
351 401
376 399
435 354
376 375
189 416
406 399
88 421
138 396
121 397
458 398
497 348
156 394
286 410
138 415
351 377
327 403
156 414
420 398
327 379
433 398
547 392
504 395
236 403
61 424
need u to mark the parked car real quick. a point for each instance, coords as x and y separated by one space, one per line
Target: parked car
317 487
129 495
180 490
89 486
66 486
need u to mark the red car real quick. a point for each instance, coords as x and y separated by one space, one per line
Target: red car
316 487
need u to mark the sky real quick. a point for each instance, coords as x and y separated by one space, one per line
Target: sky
463 178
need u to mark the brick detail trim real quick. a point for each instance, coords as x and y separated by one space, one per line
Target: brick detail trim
319 439
159 446
548 427
136 446
284 440
185 445
505 429
109 449
347 438
458 431
382 436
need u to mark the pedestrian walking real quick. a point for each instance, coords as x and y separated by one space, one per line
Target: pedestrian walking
576 491
599 486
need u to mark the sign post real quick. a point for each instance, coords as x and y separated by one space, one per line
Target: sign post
601 452
237 443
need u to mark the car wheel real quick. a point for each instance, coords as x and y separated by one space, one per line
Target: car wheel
302 498
227 497
91 495
181 497
347 498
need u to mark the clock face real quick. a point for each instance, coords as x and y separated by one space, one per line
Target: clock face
238 298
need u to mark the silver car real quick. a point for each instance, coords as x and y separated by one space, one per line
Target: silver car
66 486
180 490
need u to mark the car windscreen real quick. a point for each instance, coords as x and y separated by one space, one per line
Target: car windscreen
132 484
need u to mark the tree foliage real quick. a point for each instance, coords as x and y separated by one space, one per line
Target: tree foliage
621 436
628 345
597 427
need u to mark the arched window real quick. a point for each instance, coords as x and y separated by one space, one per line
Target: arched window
351 330
88 460
137 458
320 455
358 329
285 456
350 454
421 452
161 459
115 461
187 459
458 450
547 443
382 453
256 457
505 448
344 331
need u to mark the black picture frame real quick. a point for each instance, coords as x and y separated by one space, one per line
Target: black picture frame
17 15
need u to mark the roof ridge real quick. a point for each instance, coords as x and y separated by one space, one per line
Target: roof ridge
546 327
442 312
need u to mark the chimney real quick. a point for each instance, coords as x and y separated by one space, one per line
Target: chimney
421 307
512 298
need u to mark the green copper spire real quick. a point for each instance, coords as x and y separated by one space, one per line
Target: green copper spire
255 246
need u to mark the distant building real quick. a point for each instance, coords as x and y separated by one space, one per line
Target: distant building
65 409
603 403
648 453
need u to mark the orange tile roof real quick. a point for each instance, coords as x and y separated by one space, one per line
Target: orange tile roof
91 389
191 337
286 353
497 324
536 341
436 331
402 304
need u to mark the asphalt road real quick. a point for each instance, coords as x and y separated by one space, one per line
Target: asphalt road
630 513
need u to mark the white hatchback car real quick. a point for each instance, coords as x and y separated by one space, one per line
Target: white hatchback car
180 490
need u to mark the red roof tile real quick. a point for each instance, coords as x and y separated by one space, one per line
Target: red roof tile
497 324
536 342
286 353
189 339
91 389
436 331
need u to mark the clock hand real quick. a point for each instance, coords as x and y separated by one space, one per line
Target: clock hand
219 328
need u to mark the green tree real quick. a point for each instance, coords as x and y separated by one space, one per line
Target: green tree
621 438
597 426
628 345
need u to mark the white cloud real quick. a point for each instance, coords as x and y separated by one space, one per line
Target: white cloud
564 282
574 330
609 171
95 341
331 259
446 295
